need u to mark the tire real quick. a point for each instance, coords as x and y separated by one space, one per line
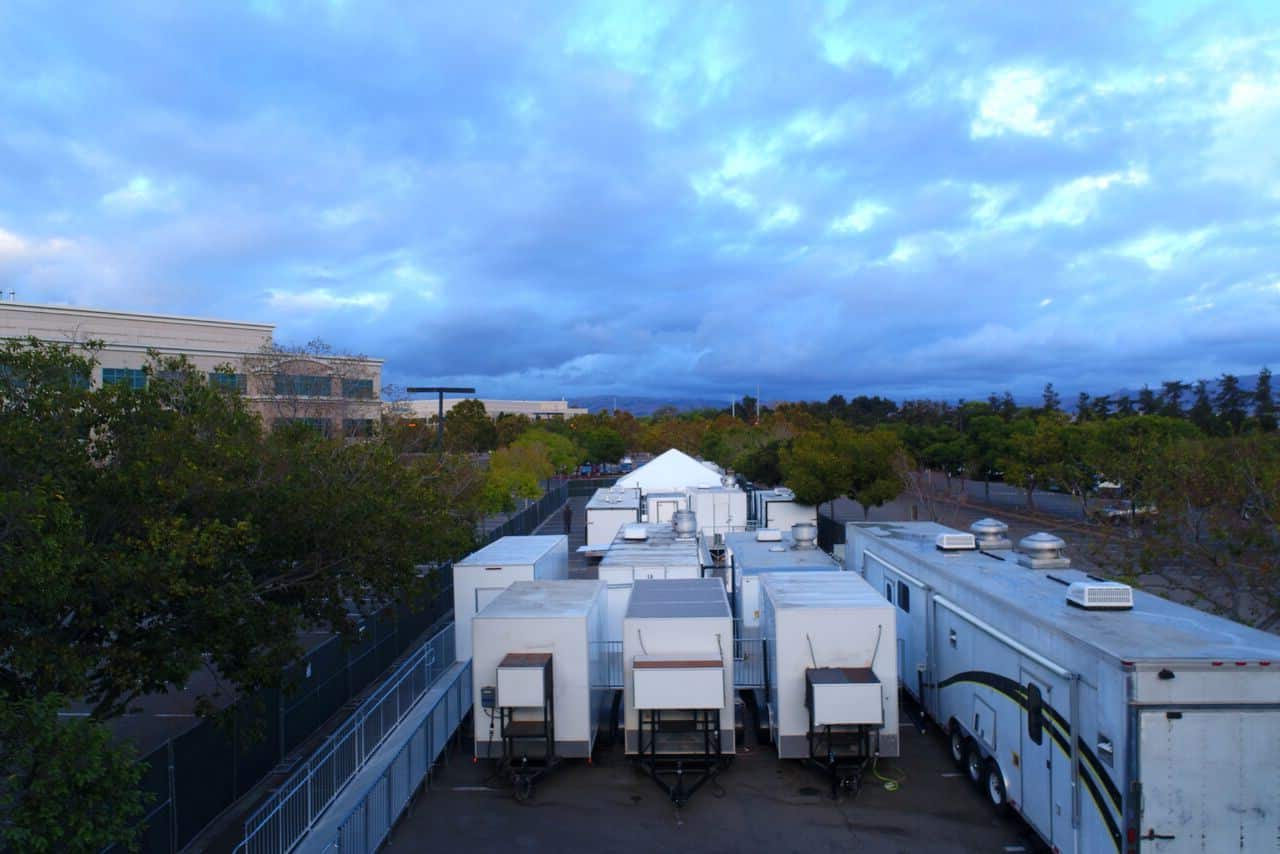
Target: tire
995 789
974 764
957 746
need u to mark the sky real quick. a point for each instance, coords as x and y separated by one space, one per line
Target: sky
933 199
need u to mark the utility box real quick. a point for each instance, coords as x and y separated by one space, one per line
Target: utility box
754 553
644 552
677 653
608 511
831 648
843 696
720 509
482 575
778 509
540 640
662 506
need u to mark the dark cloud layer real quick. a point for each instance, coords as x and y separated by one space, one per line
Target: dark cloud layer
651 198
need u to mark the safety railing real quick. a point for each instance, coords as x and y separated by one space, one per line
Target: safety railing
608 675
285 817
369 822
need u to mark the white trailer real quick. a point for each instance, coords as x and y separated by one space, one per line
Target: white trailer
563 620
482 575
820 621
778 509
644 552
753 553
1110 719
607 511
677 658
720 509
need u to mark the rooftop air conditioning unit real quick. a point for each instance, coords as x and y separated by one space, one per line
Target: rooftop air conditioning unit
956 542
768 535
1099 595
635 532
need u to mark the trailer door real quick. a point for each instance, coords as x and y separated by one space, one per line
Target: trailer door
1210 780
664 511
1037 755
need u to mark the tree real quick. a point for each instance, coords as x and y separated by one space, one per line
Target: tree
1201 412
1264 405
987 444
561 451
1102 406
468 428
1148 402
1052 401
508 427
816 466
872 476
1230 402
516 472
1035 449
1124 406
1083 409
602 444
1173 392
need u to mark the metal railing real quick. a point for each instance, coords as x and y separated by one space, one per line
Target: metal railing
748 664
285 817
369 822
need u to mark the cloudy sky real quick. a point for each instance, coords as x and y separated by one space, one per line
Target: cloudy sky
646 198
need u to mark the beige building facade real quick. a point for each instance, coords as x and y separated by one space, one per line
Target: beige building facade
535 410
339 395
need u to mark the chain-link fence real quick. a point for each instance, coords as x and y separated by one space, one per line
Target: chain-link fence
528 519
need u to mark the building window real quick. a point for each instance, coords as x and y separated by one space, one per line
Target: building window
130 377
357 427
229 382
904 596
303 385
362 389
320 425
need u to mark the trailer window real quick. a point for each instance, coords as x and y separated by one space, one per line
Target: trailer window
888 591
1035 713
904 596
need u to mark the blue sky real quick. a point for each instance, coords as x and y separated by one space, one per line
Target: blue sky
551 199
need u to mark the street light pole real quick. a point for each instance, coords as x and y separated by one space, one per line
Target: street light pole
440 391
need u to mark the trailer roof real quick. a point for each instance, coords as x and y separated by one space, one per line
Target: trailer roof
515 551
684 597
660 549
614 498
544 599
752 556
1009 593
820 590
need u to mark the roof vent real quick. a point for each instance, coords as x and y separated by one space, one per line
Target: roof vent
635 531
956 542
1043 551
805 535
1100 595
768 535
992 534
685 523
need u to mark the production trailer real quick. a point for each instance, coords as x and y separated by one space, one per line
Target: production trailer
1110 719
719 509
753 553
608 510
647 552
777 509
677 655
481 576
832 671
660 507
538 651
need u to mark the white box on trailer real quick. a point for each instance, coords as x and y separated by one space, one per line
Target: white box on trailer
659 555
608 510
480 576
757 552
777 508
719 509
662 506
828 620
670 624
564 618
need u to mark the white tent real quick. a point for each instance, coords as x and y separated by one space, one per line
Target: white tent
673 471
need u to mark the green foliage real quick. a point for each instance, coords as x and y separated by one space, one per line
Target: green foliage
66 787
816 466
515 472
872 477
562 452
602 444
468 428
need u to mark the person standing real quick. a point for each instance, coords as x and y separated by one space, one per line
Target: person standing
568 518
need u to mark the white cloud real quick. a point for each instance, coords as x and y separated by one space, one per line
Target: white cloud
138 195
783 216
1074 202
1012 103
1160 249
323 299
1046 302
860 218
11 246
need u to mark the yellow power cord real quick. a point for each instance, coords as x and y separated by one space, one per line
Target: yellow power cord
891 784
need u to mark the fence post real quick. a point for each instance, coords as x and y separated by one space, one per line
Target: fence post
173 798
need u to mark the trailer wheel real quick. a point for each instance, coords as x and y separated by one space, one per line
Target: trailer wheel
973 763
995 788
957 746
